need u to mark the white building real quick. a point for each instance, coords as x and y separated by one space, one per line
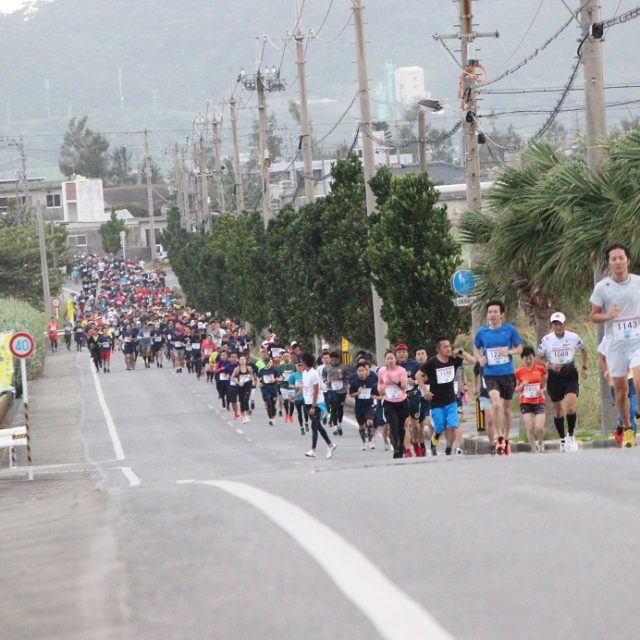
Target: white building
83 200
409 84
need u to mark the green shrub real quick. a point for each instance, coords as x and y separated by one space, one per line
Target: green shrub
16 315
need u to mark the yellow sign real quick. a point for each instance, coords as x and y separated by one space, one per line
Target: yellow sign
345 344
70 311
6 361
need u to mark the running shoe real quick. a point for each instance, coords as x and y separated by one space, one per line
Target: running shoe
573 445
417 450
423 448
447 451
246 420
407 453
310 454
459 451
493 450
339 431
335 431
628 439
541 446
563 445
271 422
236 416
507 448
306 427
372 445
363 447
301 431
500 446
331 449
280 412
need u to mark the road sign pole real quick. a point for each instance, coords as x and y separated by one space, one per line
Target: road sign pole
25 402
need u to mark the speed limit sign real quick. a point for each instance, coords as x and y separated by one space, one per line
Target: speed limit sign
55 302
22 345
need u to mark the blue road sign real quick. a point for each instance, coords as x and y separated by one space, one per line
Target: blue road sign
463 282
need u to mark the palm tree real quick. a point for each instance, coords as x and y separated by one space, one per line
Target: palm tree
519 237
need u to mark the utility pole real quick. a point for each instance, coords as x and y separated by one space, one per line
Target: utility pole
218 160
307 155
238 188
265 158
422 137
469 62
24 183
380 326
596 125
262 82
152 224
179 185
596 121
44 268
186 193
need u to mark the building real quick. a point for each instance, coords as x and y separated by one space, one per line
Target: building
42 193
83 200
409 85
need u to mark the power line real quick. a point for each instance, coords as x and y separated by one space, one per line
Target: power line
537 51
326 16
623 17
524 37
332 38
553 89
342 117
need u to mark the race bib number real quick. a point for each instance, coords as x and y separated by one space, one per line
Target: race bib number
626 329
365 393
286 393
497 356
531 390
392 392
337 385
298 384
177 344
268 379
244 378
157 339
195 345
444 375
564 355
224 376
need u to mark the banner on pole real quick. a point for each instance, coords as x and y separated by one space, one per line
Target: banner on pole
6 361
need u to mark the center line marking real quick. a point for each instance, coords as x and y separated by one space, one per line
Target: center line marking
394 613
111 427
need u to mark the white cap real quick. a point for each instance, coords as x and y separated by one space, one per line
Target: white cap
325 346
558 316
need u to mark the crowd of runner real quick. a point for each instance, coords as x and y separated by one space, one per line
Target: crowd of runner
411 402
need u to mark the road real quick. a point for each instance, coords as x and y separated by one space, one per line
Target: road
153 515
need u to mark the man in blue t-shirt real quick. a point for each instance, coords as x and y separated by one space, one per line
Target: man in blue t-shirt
495 346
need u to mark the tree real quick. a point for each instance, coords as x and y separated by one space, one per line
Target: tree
110 233
20 271
413 254
121 171
83 151
521 233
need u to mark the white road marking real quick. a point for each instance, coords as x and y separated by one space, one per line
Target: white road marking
189 481
350 421
394 613
210 407
240 431
113 433
133 479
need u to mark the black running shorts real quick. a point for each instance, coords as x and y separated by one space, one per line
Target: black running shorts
561 383
506 385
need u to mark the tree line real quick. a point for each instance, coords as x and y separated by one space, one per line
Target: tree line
311 271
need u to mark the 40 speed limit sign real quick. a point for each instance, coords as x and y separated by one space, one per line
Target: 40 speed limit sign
22 345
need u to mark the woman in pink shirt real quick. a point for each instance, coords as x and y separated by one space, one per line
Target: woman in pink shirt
392 382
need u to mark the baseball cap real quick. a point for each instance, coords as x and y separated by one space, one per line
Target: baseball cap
294 344
325 346
402 347
558 316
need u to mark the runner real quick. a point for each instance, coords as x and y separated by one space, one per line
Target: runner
558 350
52 330
425 405
392 381
495 346
295 382
222 377
269 378
232 389
412 426
127 341
105 345
364 389
615 301
439 373
157 344
244 377
315 405
335 375
145 334
287 369
531 380
68 331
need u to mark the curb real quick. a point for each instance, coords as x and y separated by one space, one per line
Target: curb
479 445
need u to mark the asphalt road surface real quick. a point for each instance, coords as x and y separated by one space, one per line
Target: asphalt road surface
152 515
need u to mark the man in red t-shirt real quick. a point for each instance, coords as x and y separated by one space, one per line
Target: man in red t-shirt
531 381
